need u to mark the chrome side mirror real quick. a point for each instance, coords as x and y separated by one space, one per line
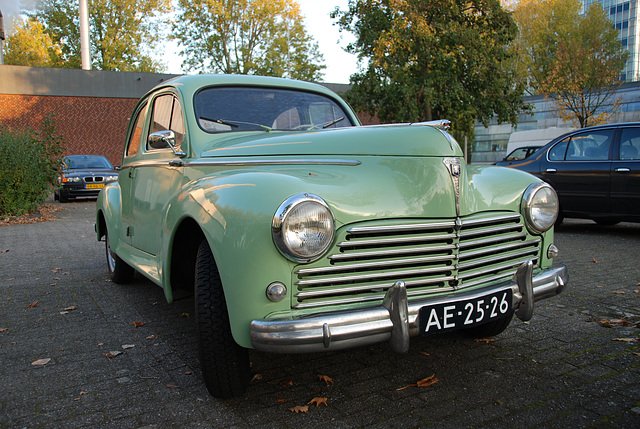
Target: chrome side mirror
164 139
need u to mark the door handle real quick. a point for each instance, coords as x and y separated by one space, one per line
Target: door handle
623 170
550 170
176 163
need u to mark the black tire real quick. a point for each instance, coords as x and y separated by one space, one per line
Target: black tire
225 365
63 198
119 271
489 329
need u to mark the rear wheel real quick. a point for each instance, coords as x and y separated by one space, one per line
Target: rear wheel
490 329
119 271
225 365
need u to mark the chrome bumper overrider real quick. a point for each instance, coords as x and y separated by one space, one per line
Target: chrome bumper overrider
396 319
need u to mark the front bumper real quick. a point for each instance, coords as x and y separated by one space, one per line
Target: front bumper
396 319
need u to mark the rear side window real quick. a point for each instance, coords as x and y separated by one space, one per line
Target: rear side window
630 144
588 146
133 145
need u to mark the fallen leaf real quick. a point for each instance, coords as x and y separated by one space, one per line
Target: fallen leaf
637 291
55 270
3 329
426 382
484 340
41 362
171 386
281 400
33 304
138 324
188 372
5 251
637 354
425 353
325 378
627 340
318 401
152 337
112 354
619 292
286 383
187 315
128 346
73 307
257 377
299 409
595 261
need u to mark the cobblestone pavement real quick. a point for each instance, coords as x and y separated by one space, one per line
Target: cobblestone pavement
568 367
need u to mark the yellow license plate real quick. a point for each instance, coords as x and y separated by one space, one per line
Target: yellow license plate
94 186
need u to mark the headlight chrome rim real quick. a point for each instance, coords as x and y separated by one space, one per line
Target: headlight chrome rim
534 223
282 217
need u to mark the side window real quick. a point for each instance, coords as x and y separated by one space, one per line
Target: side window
558 151
136 134
630 143
167 115
592 146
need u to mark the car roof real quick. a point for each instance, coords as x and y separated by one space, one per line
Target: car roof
192 83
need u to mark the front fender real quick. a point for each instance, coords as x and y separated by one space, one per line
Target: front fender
109 214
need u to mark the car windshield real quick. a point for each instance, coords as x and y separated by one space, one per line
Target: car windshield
230 109
80 162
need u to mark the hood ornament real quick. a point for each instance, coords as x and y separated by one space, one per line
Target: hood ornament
454 165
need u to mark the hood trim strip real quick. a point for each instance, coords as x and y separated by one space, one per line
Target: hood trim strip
280 161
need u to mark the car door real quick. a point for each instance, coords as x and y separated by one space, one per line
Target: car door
578 167
625 174
137 133
156 175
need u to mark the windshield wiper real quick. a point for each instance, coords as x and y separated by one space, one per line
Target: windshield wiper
335 121
235 124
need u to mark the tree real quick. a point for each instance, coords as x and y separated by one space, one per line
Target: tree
30 45
120 31
261 37
430 59
585 73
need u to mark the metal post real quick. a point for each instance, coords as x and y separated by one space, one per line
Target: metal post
1 39
84 36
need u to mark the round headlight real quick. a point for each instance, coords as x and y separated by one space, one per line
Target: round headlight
540 206
303 227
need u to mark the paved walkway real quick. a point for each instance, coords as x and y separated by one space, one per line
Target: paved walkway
119 356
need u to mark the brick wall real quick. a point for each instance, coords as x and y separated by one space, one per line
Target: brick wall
89 125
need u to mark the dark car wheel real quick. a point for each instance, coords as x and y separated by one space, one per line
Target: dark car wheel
490 329
119 271
63 197
225 365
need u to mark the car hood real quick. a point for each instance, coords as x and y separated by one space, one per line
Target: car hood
386 140
90 172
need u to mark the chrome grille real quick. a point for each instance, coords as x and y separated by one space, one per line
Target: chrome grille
430 257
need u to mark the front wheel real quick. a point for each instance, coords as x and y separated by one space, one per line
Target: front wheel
225 365
119 271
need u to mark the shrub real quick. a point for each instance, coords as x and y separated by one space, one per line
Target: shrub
29 167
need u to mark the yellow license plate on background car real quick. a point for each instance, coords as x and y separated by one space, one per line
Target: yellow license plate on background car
94 186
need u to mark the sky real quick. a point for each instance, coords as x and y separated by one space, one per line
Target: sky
340 64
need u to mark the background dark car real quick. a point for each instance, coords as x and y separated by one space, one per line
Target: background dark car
84 176
595 172
518 154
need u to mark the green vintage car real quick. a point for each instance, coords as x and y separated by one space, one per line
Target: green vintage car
302 231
